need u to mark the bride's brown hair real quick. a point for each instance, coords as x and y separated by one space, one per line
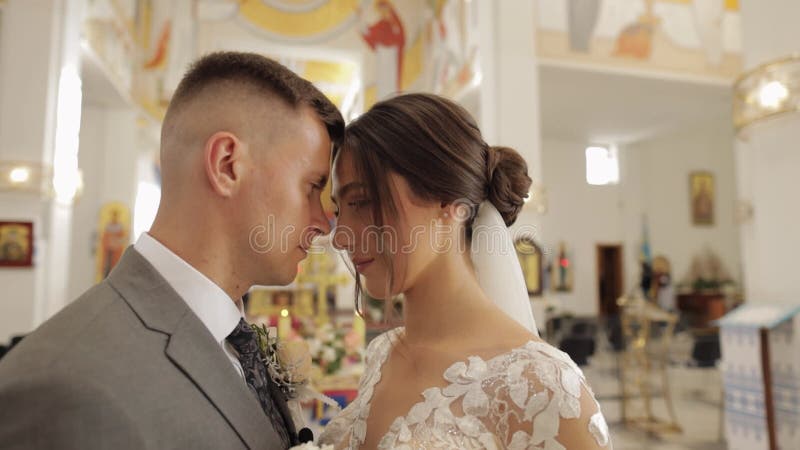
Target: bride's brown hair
436 146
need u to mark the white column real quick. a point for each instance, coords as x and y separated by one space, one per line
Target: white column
121 155
509 93
40 106
110 145
768 164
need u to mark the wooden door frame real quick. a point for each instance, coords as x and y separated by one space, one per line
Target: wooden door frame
598 248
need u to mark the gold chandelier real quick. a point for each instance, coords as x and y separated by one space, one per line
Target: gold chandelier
767 91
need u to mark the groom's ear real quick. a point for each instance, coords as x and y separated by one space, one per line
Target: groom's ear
222 160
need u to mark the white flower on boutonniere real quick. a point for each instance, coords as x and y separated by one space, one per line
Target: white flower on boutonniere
294 358
289 365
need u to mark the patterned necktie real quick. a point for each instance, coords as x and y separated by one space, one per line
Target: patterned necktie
244 341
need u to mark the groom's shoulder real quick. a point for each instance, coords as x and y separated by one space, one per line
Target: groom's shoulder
79 334
57 386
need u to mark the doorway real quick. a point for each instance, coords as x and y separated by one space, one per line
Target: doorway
609 278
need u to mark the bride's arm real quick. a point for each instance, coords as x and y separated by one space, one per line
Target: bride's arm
556 407
588 431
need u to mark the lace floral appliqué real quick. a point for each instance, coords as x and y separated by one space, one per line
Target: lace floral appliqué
515 400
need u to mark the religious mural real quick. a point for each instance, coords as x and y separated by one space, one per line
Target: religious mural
144 46
356 51
690 37
395 45
386 37
165 33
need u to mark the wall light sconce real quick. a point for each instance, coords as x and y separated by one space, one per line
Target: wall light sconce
33 178
25 176
769 90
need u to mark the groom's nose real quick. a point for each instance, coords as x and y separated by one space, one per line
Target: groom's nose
319 220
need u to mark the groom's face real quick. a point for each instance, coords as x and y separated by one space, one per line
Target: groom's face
284 197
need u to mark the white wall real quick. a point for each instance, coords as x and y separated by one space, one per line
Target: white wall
667 162
90 160
654 181
34 101
580 215
110 147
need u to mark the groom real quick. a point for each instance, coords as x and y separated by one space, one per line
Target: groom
158 356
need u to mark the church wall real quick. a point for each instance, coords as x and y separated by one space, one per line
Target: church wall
579 215
666 164
110 144
90 160
654 182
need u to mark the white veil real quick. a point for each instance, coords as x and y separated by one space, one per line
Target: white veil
497 266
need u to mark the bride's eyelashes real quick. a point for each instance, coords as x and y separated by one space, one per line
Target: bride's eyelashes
354 205
357 205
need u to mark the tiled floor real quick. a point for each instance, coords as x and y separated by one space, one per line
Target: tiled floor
696 393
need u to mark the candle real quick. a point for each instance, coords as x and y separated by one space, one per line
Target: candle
284 324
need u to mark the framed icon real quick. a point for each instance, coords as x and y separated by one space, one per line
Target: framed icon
701 185
16 244
530 258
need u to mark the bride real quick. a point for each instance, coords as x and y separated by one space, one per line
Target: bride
423 206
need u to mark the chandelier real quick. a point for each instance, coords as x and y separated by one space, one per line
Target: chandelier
770 90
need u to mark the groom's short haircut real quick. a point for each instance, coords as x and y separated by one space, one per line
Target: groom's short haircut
263 74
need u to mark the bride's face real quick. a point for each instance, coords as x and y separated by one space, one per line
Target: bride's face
389 258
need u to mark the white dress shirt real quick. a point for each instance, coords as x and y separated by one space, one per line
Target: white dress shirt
218 312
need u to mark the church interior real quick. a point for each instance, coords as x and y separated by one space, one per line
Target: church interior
656 241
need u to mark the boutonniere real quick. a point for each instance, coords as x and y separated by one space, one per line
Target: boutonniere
288 362
289 365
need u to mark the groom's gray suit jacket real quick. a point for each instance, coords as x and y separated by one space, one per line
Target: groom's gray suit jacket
128 366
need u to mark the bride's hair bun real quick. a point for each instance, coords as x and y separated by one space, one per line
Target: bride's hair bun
507 180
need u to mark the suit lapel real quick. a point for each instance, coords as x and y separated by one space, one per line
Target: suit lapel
280 402
192 348
211 371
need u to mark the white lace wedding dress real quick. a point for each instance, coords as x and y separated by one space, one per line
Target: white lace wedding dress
515 400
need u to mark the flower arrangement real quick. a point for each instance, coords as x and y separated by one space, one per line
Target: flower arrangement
707 273
327 348
333 350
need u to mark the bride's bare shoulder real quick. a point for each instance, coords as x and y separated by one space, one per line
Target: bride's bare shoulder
383 342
